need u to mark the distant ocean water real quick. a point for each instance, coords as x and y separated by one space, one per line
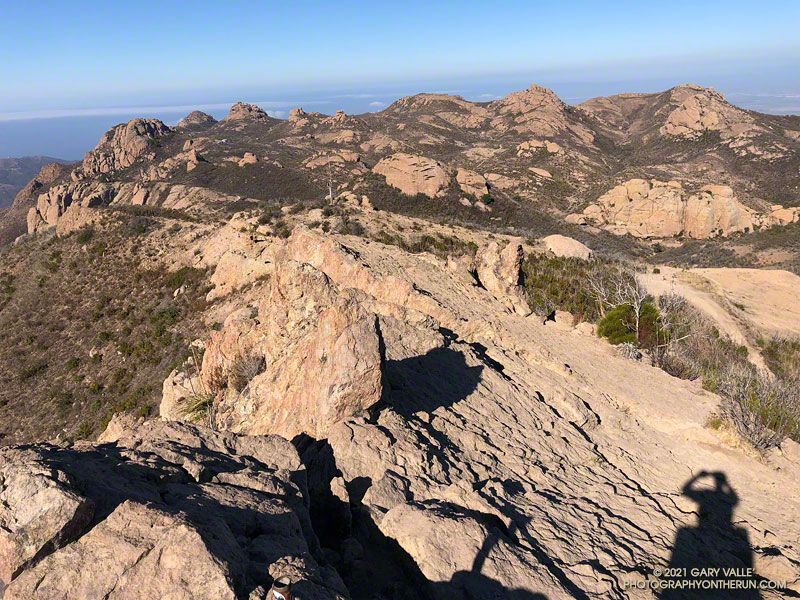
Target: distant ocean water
65 137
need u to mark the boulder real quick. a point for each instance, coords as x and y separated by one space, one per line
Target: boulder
321 349
39 511
500 272
541 172
564 246
176 389
413 174
471 182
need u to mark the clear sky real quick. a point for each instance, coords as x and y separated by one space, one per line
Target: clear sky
92 58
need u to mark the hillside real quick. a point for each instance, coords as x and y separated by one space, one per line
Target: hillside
446 350
16 172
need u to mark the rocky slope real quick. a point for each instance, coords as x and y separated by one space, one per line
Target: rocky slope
16 172
481 422
386 417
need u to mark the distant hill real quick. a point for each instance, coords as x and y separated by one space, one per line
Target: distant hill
16 172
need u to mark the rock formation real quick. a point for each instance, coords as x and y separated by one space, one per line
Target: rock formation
412 174
658 209
163 511
500 272
320 350
242 111
120 146
67 200
536 111
501 453
471 182
703 110
195 118
561 245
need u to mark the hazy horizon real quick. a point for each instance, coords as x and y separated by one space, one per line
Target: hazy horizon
69 133
60 92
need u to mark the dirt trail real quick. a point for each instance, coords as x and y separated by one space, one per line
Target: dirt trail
709 298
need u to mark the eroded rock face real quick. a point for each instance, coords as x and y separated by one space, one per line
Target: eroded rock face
500 272
536 111
471 182
195 117
496 459
321 352
47 175
165 511
120 146
657 209
243 111
703 110
413 174
65 202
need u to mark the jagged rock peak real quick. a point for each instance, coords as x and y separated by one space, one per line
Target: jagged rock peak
531 98
196 117
241 110
121 145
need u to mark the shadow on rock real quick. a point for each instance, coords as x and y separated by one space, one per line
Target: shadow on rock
372 564
226 511
721 550
439 378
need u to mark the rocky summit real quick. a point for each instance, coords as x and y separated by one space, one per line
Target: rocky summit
449 350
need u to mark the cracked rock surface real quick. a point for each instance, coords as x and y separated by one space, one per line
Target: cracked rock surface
166 510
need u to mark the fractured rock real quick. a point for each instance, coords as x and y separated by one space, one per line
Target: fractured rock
178 512
499 271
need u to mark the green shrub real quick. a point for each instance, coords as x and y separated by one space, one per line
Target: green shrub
553 282
619 326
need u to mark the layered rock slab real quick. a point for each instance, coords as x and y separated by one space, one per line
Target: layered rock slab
506 457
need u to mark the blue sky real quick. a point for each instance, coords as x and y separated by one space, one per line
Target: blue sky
82 59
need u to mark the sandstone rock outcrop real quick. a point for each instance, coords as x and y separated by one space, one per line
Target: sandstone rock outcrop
658 209
703 110
502 451
500 272
471 182
413 174
564 246
165 511
243 111
536 111
120 146
68 201
320 350
47 175
194 118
